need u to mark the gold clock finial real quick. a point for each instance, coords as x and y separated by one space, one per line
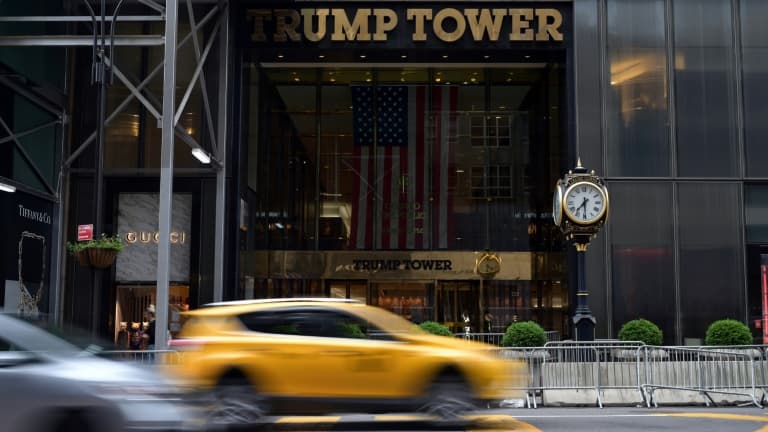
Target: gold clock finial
578 163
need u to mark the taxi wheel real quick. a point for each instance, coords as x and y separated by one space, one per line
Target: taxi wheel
233 403
449 398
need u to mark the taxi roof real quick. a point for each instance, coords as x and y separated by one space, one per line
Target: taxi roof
239 306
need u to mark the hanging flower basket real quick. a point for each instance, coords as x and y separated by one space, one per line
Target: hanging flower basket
100 252
101 257
82 258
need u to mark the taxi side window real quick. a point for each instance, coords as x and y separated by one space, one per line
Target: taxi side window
287 323
312 323
340 325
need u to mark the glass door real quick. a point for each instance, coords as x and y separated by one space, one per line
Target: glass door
348 289
459 301
131 307
411 300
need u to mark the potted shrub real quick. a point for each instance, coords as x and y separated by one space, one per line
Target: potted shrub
642 331
99 252
435 328
730 333
526 334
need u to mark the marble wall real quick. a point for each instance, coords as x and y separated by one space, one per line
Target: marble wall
137 224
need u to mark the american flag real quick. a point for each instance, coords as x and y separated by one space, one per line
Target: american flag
403 141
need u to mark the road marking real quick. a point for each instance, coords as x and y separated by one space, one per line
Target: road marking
724 416
480 422
500 423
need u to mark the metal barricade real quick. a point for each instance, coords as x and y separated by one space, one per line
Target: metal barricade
144 357
726 371
581 366
489 338
530 383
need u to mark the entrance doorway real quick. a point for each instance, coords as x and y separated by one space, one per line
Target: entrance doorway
131 305
348 289
454 299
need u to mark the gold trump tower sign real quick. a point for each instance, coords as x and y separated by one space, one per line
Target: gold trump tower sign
423 24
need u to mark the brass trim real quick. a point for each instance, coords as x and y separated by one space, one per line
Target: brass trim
581 247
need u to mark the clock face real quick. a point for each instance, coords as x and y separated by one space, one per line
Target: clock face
585 203
557 204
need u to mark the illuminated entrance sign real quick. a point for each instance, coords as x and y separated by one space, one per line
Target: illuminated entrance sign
395 264
423 24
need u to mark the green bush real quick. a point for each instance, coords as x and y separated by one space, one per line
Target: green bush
435 328
728 332
104 241
524 334
641 330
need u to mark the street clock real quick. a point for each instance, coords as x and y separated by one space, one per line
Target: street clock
580 209
580 204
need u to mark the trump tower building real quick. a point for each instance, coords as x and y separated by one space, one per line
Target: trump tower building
400 153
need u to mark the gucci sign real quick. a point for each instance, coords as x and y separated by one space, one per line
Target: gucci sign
177 237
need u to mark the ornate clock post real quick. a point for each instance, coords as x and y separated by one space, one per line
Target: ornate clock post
580 209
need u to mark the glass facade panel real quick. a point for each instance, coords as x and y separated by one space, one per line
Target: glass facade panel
705 88
756 212
638 118
405 159
754 49
642 250
711 255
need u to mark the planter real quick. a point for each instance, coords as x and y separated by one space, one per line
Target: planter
82 258
101 257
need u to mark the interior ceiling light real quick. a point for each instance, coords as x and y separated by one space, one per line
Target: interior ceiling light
7 188
201 155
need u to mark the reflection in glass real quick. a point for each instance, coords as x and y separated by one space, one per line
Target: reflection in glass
754 43
637 98
705 88
642 262
711 255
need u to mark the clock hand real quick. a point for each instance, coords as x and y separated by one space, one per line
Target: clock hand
584 206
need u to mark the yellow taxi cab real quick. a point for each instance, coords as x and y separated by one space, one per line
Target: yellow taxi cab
327 355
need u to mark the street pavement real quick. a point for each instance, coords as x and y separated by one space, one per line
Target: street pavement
543 419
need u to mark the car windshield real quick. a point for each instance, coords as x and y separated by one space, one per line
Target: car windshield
39 335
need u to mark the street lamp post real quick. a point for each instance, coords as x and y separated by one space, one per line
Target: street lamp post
580 209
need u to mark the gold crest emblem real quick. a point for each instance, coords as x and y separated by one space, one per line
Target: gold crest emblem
488 264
